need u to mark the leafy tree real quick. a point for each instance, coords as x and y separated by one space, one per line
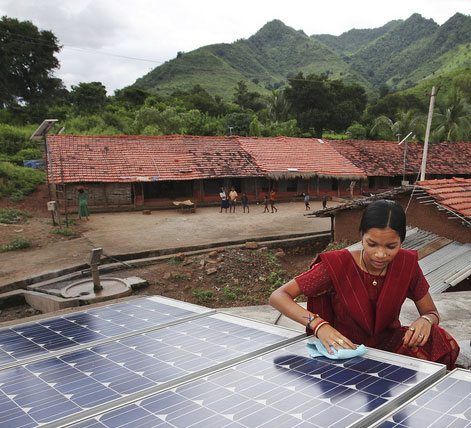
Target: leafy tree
85 125
392 104
254 128
319 104
383 90
356 131
310 101
131 96
26 64
247 100
146 116
463 83
239 123
285 129
88 98
198 98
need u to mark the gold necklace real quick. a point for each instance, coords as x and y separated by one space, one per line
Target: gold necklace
366 267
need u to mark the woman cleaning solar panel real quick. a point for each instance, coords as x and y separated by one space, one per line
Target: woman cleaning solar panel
355 297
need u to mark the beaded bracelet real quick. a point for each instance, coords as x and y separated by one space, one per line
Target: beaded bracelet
311 319
318 326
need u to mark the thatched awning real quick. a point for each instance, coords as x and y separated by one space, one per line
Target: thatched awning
360 203
283 175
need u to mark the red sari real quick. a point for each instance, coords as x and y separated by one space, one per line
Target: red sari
341 293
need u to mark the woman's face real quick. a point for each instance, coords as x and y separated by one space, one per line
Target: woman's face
380 246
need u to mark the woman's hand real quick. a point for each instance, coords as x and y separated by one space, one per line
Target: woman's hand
329 336
418 333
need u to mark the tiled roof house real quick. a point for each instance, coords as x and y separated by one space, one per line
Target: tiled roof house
441 206
139 170
123 158
154 170
284 157
383 161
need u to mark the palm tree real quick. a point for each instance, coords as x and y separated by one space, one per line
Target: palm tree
454 124
278 106
409 121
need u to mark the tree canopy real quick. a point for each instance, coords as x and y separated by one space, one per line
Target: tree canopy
319 104
26 64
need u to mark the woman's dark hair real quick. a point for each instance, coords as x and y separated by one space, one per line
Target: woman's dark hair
384 213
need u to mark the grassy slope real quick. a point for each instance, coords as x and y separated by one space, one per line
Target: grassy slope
401 54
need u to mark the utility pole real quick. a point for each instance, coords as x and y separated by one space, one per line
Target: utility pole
405 155
427 132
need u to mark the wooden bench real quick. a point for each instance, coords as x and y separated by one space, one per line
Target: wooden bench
189 205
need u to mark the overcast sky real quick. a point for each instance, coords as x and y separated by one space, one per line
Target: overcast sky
117 41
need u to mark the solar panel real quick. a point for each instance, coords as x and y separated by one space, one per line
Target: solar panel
40 338
447 403
282 388
48 390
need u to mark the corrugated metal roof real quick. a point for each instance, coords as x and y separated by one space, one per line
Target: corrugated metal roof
416 238
443 263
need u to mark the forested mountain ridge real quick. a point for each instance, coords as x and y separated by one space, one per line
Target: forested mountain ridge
401 54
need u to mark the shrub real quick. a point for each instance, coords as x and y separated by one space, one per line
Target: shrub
63 231
29 154
338 245
16 244
14 138
203 296
11 215
18 181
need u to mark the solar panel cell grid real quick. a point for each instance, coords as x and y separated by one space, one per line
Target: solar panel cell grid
283 388
446 404
86 378
59 333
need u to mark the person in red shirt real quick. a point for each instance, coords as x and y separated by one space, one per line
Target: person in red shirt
355 297
272 201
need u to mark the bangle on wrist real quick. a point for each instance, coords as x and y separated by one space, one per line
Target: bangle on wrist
311 318
425 317
435 314
318 326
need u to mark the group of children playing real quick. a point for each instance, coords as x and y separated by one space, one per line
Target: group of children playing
228 200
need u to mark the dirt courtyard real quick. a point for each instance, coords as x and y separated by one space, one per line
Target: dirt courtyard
244 277
133 232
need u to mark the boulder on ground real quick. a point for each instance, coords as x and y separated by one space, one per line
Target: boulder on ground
251 245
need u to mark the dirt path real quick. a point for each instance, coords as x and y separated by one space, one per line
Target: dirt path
133 232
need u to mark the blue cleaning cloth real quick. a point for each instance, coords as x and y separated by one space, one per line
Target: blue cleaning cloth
317 349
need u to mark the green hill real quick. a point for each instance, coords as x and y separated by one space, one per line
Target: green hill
400 54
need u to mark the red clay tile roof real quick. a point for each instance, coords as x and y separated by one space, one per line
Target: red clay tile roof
283 156
386 158
453 193
146 158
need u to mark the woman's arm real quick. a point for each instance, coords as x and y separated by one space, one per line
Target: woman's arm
419 331
283 300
